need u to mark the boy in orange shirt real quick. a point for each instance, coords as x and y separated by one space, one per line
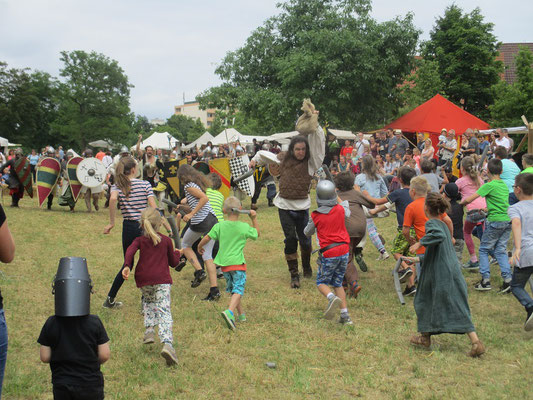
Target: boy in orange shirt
416 218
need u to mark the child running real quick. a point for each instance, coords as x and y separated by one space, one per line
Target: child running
232 235
521 215
152 276
441 302
497 227
328 220
355 225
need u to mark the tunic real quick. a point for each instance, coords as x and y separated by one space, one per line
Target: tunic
441 300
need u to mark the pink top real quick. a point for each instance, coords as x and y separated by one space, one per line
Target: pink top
467 188
417 159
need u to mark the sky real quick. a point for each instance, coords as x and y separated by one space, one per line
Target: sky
169 49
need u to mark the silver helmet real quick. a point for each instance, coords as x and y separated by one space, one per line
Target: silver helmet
325 190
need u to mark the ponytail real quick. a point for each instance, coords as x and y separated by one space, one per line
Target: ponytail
151 221
470 169
122 173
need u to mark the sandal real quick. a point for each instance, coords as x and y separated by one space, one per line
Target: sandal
423 340
477 349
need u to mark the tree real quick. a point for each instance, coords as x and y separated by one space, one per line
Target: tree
329 50
27 106
513 101
465 51
141 125
188 128
93 100
423 83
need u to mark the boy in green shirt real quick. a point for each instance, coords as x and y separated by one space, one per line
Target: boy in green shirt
231 235
527 164
497 227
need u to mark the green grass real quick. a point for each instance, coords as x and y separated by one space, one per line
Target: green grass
314 358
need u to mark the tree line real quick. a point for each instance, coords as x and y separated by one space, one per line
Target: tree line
360 73
363 74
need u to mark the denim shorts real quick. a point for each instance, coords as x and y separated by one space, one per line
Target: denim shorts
331 270
235 281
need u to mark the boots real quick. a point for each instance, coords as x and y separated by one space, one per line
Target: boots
14 200
306 262
292 263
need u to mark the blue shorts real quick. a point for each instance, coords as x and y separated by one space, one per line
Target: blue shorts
331 270
235 281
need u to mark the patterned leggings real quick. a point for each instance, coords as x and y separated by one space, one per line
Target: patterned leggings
373 234
156 308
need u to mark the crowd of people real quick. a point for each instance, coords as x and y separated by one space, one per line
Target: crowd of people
437 213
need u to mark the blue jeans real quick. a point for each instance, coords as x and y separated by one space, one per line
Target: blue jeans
3 348
520 278
494 242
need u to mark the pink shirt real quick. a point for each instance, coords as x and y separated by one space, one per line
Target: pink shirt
467 188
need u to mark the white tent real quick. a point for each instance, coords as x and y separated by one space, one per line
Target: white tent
102 143
159 140
340 134
4 142
206 137
227 136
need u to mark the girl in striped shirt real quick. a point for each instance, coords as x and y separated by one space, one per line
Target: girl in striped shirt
201 219
133 196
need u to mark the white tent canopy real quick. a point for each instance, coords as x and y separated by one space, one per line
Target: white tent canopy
159 140
4 142
206 137
232 135
102 143
340 134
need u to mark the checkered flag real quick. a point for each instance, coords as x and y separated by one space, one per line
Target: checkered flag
239 166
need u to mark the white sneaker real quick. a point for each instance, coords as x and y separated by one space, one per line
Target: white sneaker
383 256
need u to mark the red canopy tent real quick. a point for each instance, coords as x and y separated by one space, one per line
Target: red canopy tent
435 114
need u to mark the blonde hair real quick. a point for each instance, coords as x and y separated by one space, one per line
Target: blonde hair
420 185
470 169
151 221
229 203
122 173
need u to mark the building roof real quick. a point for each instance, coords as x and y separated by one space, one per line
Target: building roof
435 114
508 52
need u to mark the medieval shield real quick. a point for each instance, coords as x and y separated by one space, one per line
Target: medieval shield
91 172
238 166
23 171
220 166
47 176
75 184
168 172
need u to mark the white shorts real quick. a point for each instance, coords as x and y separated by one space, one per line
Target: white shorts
190 237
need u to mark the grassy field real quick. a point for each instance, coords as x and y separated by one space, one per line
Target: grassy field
315 358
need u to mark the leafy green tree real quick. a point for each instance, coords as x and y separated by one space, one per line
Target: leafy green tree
141 125
513 101
423 83
465 49
329 50
188 128
93 100
27 106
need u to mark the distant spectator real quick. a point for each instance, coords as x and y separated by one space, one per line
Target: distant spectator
359 145
383 144
502 139
347 148
398 144
471 146
429 150
100 155
447 148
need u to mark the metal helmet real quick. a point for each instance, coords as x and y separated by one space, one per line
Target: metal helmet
72 288
50 150
124 149
325 190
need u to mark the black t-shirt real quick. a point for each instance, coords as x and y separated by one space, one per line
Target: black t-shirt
401 198
456 215
74 342
2 220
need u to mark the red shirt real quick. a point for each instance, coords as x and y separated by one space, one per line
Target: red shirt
100 155
346 150
152 267
330 228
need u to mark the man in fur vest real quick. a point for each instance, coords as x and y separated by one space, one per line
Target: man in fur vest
296 168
